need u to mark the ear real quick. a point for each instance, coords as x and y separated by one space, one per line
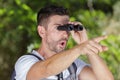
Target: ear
41 31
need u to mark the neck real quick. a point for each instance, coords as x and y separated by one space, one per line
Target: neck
45 52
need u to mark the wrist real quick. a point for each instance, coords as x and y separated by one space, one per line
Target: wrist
91 55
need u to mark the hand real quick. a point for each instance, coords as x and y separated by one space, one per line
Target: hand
93 46
79 36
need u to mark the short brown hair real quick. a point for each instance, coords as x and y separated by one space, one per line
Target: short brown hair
48 11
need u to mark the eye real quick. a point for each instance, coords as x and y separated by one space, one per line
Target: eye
57 25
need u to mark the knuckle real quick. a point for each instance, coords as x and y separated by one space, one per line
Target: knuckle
90 42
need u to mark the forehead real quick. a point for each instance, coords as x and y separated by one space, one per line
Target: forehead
60 19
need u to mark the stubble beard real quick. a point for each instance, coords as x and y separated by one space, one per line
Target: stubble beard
53 46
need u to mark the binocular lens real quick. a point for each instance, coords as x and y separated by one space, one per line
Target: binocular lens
70 27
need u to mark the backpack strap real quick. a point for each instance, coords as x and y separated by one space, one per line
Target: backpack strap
72 70
60 76
14 73
34 55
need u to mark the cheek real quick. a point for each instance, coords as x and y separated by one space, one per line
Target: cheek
54 35
50 38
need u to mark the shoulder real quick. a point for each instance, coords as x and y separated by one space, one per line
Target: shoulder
80 65
80 62
25 60
23 64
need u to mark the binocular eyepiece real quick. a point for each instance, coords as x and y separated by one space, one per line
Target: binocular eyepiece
70 27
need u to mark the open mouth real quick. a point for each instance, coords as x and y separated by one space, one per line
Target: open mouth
63 43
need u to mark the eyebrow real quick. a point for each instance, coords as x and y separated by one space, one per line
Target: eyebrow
65 20
58 24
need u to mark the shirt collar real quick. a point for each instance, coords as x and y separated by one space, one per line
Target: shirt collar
37 54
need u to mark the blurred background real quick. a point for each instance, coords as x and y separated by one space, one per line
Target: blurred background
18 34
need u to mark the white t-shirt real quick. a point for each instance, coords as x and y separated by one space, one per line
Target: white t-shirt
24 63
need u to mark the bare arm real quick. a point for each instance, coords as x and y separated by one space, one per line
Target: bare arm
53 65
98 69
63 60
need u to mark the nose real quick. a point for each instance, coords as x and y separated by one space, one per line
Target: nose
65 34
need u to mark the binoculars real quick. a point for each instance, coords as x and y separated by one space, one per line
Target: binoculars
70 27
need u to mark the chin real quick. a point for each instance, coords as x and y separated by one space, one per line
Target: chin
60 50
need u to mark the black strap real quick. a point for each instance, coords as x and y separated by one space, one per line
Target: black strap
14 73
35 56
60 76
72 69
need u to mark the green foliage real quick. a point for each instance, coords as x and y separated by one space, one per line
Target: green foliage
18 34
92 21
112 55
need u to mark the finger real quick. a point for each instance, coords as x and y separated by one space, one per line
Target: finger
70 22
96 45
83 35
92 48
98 39
89 52
79 37
75 23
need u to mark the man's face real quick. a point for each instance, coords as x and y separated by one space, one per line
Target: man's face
56 40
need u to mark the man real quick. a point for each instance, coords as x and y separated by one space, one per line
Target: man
55 61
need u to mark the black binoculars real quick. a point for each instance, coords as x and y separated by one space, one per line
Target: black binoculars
70 27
